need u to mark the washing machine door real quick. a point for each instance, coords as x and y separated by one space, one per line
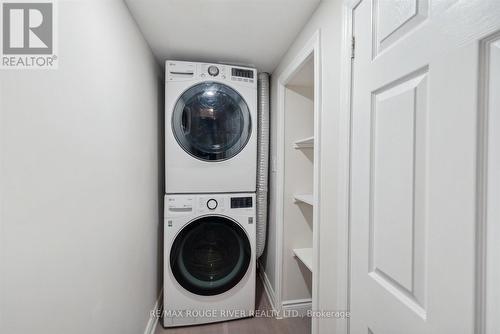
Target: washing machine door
211 121
210 255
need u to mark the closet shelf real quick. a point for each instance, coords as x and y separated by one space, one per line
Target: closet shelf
304 198
304 143
305 255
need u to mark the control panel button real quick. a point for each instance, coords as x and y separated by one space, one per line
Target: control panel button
213 71
212 204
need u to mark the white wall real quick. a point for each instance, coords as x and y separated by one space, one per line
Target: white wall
327 18
80 180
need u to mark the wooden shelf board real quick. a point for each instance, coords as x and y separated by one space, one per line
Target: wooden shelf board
304 198
305 255
304 143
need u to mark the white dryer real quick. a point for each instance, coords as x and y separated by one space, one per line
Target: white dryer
209 258
211 128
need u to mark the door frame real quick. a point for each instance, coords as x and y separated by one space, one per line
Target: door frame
311 47
344 165
486 134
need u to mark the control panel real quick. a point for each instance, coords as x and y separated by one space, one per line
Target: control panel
182 71
187 205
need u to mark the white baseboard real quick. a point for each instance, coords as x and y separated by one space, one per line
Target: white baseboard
299 305
154 318
268 288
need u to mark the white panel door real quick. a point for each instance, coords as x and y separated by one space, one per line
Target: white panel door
413 164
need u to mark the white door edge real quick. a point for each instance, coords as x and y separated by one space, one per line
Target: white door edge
487 172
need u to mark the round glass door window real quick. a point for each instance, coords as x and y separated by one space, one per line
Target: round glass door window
210 255
211 122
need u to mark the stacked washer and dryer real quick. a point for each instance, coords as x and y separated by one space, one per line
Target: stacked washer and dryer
211 163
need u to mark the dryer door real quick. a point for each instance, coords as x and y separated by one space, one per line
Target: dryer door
211 121
210 255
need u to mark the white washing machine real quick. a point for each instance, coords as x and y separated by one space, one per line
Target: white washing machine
211 128
209 258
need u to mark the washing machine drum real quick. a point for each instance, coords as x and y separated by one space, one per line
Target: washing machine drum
211 121
210 255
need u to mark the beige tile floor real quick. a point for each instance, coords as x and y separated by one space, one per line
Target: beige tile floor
249 325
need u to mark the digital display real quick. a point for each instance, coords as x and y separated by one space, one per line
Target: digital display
241 202
238 72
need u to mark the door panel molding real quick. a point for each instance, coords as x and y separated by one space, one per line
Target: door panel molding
397 196
392 20
488 183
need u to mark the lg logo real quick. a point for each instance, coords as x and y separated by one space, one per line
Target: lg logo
27 28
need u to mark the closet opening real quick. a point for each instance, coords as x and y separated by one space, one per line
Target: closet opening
298 185
298 175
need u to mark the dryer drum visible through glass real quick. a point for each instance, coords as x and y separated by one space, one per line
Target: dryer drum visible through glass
211 121
210 255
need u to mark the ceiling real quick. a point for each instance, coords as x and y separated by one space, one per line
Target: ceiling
244 32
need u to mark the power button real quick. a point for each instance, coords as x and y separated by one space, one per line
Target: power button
212 204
